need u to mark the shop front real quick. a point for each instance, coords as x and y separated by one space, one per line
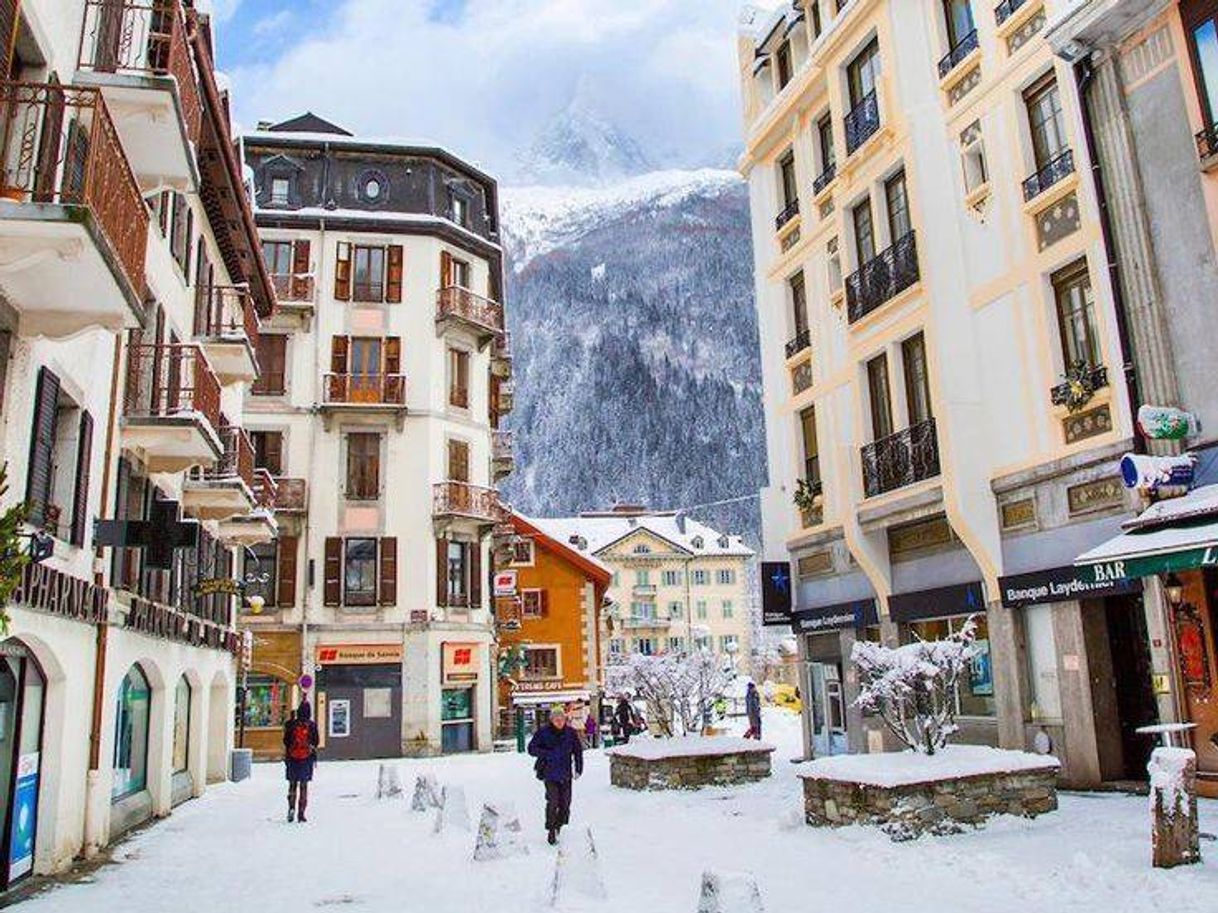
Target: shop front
271 692
359 700
462 671
22 699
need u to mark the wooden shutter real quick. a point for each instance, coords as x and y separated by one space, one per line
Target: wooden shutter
342 272
339 346
42 446
332 592
8 35
475 575
458 461
393 355
285 586
48 145
393 284
388 589
442 572
300 270
84 459
543 602
446 269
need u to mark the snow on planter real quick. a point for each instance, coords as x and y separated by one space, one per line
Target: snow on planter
730 892
909 793
688 763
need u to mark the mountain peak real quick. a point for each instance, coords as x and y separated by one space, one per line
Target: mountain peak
579 146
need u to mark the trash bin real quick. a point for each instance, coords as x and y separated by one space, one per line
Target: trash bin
241 764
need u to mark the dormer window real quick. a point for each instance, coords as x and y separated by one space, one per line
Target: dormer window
698 542
783 68
642 549
280 191
460 210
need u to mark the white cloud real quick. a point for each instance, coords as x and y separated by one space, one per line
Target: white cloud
273 23
663 70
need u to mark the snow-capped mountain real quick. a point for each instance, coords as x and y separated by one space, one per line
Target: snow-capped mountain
635 339
578 146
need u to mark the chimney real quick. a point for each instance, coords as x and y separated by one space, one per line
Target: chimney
681 522
264 126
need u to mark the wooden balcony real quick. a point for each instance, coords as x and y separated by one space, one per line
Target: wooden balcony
171 412
456 502
226 489
292 496
226 325
501 356
503 460
73 225
458 308
136 52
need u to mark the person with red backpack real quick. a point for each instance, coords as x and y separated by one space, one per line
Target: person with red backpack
300 740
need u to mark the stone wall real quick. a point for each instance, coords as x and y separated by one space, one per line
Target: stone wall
689 771
942 806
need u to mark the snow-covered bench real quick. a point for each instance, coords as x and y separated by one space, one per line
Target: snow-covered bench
908 794
688 763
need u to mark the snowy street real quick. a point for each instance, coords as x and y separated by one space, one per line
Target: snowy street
233 849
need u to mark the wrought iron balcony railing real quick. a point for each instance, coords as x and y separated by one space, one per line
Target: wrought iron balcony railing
863 121
142 38
237 459
1207 142
824 179
58 145
956 55
171 381
225 312
1006 9
789 212
882 278
292 495
266 489
464 500
1049 174
901 459
291 287
462 304
802 340
364 389
1093 377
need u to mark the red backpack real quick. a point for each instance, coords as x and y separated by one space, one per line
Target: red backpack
299 746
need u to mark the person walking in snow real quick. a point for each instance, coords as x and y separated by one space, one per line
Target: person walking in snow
590 730
300 740
623 717
752 709
560 761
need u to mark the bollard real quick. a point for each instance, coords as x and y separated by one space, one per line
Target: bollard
1175 830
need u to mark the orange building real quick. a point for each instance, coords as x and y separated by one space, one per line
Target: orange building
548 602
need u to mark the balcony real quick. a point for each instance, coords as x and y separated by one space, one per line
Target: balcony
135 51
453 502
293 289
226 325
863 122
1006 9
501 356
292 496
73 226
802 341
901 459
227 488
503 460
171 409
364 392
1207 146
644 591
825 178
459 308
882 278
789 212
956 55
635 622
505 398
1053 171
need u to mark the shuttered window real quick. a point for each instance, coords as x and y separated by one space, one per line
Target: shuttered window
458 378
300 270
442 572
393 282
342 272
42 446
268 451
458 461
388 586
333 573
360 572
84 460
363 466
272 365
285 585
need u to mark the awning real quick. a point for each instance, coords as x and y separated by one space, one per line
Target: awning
1181 547
538 698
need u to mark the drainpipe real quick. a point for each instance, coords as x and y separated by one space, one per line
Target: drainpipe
1084 75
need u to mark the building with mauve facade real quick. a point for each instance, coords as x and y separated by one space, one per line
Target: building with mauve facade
386 376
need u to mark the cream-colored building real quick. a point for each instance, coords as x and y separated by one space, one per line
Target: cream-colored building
942 366
677 585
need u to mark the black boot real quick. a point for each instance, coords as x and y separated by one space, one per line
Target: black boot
553 837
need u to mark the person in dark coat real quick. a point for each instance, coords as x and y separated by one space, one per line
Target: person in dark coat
300 740
623 718
752 708
557 748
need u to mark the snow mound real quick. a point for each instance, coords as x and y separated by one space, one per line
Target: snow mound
730 892
689 747
905 768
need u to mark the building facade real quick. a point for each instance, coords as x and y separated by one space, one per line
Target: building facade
131 293
944 370
677 584
548 618
388 363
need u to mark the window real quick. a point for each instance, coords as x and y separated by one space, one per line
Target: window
642 610
642 578
789 182
533 603
278 257
272 362
807 425
1045 120
280 191
700 609
824 137
131 735
268 702
617 578
917 379
458 460
1042 664
646 646
181 726
359 574
725 577
975 692
181 234
460 209
363 467
863 73
880 397
729 610
61 453
642 549
617 647
260 573
458 378
783 67
458 573
268 451
700 578
676 645
1076 315
899 223
958 18
1203 45
522 551
972 153
864 232
675 610
671 578
702 642
369 272
541 662
728 643
833 265
799 304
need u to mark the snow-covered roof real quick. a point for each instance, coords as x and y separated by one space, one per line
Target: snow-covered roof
1200 502
597 532
582 554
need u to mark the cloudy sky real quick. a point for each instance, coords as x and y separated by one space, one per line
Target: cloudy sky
483 76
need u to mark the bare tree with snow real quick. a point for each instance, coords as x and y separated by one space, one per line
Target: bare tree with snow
678 688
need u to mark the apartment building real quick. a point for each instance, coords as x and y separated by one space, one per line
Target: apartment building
677 584
943 367
386 377
131 294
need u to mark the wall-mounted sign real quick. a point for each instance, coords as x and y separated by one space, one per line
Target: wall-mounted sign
858 615
941 602
775 593
158 537
505 583
1061 584
358 654
539 685
460 663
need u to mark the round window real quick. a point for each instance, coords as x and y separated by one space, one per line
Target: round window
372 190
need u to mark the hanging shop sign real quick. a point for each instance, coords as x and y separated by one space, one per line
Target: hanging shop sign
460 663
775 593
157 537
1165 476
1163 423
505 583
1061 584
358 654
218 586
941 602
859 614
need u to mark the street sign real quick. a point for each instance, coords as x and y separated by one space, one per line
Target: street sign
505 583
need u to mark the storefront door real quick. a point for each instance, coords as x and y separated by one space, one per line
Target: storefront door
457 720
1196 641
1133 678
828 709
22 689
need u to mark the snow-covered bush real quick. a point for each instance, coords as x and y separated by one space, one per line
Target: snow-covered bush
678 688
912 688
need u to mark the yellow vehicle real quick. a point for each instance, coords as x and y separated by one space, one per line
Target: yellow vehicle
785 696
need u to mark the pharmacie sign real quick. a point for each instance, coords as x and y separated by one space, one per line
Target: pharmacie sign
1063 584
1189 559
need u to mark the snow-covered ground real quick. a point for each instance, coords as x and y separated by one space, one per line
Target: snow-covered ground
233 850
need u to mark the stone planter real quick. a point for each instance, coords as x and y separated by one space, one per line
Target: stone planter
908 795
688 763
